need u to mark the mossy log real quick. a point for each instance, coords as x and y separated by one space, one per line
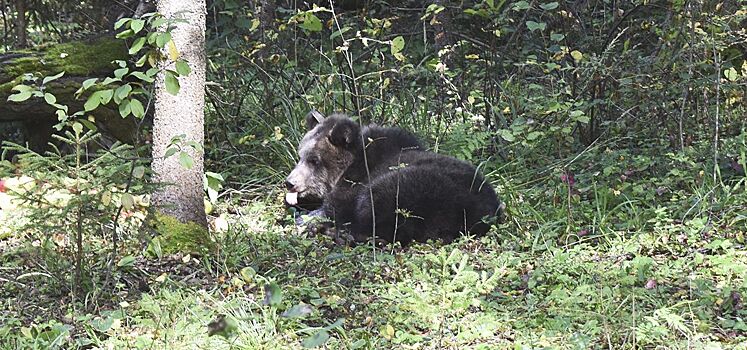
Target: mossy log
80 61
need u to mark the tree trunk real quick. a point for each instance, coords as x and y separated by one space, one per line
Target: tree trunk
183 114
443 38
266 15
21 38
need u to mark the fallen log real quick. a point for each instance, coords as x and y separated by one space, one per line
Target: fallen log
80 61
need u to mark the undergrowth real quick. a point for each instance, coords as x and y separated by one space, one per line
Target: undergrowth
612 248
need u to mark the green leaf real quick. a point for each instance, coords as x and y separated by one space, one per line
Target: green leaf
162 39
61 115
142 76
151 38
557 36
128 202
194 144
216 176
78 128
102 325
316 340
121 22
93 101
158 22
137 45
137 108
138 172
358 344
120 73
532 25
579 116
731 74
577 55
49 98
88 124
170 152
273 294
248 274
88 83
122 92
299 310
311 23
549 6
339 32
397 45
576 113
141 61
21 88
137 25
533 135
507 135
186 160
106 95
172 83
182 67
124 34
109 80
521 5
52 78
125 108
126 261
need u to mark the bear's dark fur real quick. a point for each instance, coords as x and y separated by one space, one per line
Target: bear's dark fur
417 195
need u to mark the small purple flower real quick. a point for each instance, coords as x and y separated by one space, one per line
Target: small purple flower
568 178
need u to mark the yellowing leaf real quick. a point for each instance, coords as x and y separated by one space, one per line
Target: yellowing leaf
255 24
577 55
128 202
106 197
387 332
173 52
396 47
731 74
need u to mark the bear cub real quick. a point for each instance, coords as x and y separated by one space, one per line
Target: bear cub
381 180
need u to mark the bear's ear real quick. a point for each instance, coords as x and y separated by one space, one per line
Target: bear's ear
313 118
343 133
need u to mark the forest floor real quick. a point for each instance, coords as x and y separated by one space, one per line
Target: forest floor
634 277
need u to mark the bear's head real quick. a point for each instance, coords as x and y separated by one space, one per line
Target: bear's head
325 152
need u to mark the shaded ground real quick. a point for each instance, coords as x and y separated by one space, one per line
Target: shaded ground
501 291
618 255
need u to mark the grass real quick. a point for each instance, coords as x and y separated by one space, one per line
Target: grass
603 261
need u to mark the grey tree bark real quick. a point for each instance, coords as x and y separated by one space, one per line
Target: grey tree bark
183 114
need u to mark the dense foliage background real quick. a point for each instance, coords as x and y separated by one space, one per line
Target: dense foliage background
615 132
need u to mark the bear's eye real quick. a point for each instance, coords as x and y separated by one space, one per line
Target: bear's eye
314 161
